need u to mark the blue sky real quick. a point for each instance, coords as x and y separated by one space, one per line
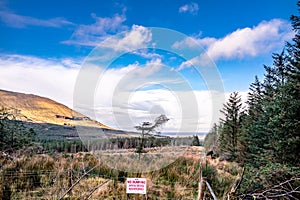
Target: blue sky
212 18
44 46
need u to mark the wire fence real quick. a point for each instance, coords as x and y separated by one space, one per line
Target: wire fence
38 177
57 181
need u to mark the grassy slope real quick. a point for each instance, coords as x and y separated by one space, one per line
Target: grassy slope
36 109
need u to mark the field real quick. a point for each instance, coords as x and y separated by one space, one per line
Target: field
46 176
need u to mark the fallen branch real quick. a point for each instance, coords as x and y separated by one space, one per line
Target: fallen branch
237 184
284 190
94 189
74 184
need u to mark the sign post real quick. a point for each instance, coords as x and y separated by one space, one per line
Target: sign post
136 186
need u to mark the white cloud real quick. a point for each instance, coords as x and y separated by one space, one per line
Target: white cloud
20 21
200 61
264 38
93 34
138 37
123 79
48 78
111 33
190 8
189 111
125 97
147 53
104 31
188 42
122 98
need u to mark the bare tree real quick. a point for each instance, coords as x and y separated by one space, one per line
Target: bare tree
147 127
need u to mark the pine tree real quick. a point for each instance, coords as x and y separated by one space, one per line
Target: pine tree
230 126
272 126
210 141
195 141
293 50
253 126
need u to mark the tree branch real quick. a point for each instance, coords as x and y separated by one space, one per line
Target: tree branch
74 184
282 190
94 189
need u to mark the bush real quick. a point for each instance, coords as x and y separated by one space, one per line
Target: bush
266 177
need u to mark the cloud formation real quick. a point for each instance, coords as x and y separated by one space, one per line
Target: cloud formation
266 37
49 78
111 33
191 8
115 102
127 95
138 37
93 34
21 21
263 38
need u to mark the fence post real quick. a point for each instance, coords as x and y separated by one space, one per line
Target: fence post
202 185
70 180
200 180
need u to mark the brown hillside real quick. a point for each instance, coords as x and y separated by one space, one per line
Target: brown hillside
36 109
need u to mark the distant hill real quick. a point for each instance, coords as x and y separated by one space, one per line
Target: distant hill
35 109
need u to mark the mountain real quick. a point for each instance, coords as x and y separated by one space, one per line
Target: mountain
35 109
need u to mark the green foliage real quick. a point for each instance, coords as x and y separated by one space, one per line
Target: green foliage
220 182
13 134
63 146
265 177
211 139
210 173
272 128
230 128
195 141
266 137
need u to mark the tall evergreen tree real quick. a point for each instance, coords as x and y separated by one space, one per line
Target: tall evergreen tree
255 99
273 115
230 125
253 127
293 50
272 126
268 131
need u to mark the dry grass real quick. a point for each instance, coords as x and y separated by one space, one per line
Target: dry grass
52 178
178 180
224 168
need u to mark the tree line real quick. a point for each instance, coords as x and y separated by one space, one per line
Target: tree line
13 134
263 135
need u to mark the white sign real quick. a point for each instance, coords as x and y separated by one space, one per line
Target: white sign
136 185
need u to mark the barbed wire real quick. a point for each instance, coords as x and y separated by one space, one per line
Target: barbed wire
12 173
18 176
35 173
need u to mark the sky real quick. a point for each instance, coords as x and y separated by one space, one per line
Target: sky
125 62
